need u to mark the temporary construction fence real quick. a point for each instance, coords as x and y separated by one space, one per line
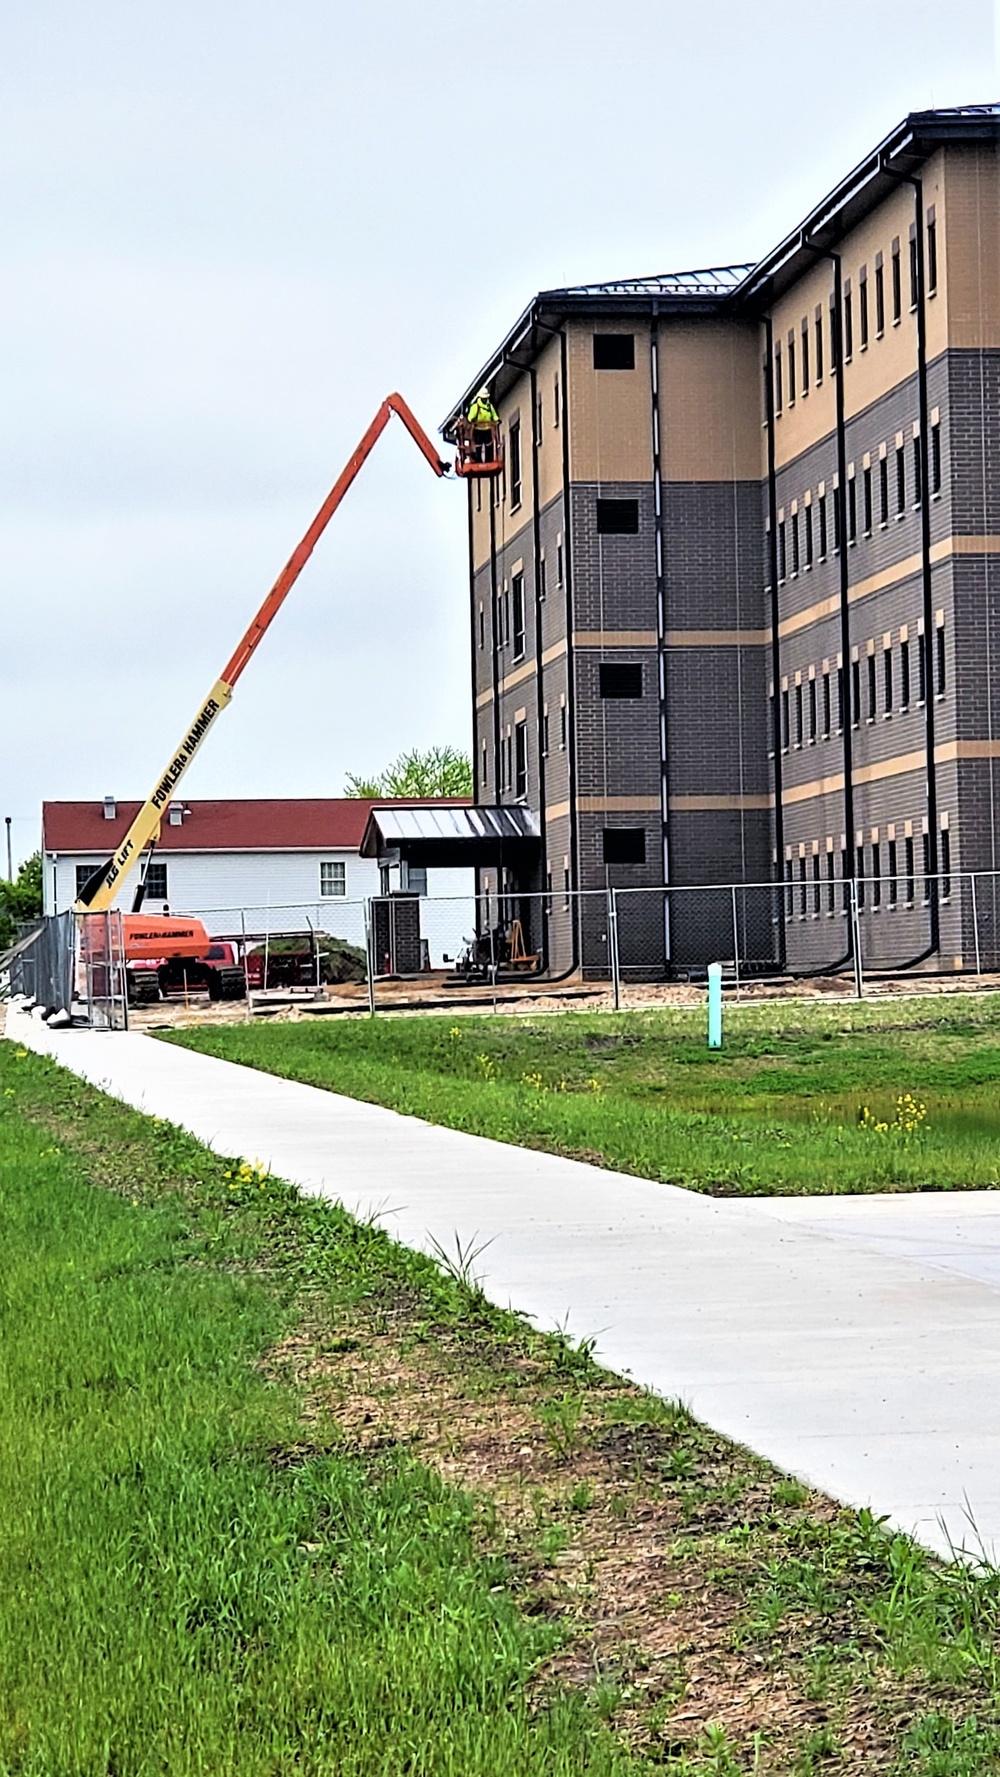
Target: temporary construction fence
612 945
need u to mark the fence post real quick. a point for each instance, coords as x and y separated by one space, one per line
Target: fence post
612 895
975 922
859 984
370 948
736 942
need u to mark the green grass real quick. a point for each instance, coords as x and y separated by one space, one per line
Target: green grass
802 1099
184 1587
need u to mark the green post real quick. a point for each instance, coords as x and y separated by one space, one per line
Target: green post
715 1005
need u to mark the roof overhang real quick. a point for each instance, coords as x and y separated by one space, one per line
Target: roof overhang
449 838
738 291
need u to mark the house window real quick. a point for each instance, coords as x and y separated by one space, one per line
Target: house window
893 874
932 265
867 490
332 878
617 518
879 296
848 323
517 603
84 872
883 490
897 285
482 626
520 759
413 878
484 770
156 882
863 306
614 351
900 481
624 845
904 675
514 454
838 517
936 459
940 661
539 428
845 892
910 871
887 681
620 679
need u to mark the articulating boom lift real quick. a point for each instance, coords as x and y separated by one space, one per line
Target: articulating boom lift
157 934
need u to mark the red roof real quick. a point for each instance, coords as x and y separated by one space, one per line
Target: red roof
289 824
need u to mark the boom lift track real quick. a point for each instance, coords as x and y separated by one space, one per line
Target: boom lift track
106 882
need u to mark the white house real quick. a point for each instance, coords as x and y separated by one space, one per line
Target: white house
259 866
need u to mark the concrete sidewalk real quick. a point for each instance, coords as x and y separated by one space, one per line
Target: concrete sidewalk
853 1341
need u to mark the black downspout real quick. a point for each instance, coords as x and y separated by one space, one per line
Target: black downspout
536 539
476 785
925 570
574 876
661 609
772 574
840 502
495 646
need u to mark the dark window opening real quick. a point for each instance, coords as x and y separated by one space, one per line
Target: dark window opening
545 734
910 872
863 308
620 679
826 704
900 481
812 710
940 659
541 578
617 518
559 563
921 669
784 720
867 491
514 452
845 892
887 681
852 510
624 845
932 264
791 372
778 399
897 284
782 551
945 862
614 351
809 536
918 478
848 324
795 542
859 873
822 527
879 297
798 715
805 357
482 627
838 517
935 459
831 884
834 340
893 875
876 874
84 872
926 853
517 601
156 882
883 490
520 759
802 888
856 693
840 700
914 269
562 727
904 675
819 346
816 888
788 888
871 687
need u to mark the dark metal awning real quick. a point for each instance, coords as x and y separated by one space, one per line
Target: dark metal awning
450 837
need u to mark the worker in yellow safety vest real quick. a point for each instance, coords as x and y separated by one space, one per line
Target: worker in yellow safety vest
482 417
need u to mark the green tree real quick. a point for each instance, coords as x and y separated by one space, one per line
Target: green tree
20 900
438 771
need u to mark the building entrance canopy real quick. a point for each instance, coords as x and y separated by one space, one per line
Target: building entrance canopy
450 838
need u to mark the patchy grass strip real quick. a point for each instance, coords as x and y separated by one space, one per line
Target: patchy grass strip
344 1516
803 1099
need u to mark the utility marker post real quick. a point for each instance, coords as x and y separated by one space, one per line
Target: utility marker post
715 1005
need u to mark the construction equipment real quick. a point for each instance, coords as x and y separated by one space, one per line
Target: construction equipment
480 449
107 880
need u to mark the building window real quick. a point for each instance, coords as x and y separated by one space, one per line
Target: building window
788 888
614 351
856 693
791 370
798 714
802 888
816 888
897 285
332 878
808 518
867 491
945 861
541 579
871 687
805 357
863 306
812 712
782 551
514 457
904 675
559 561
413 878
831 884
778 397
921 668
520 759
879 296
484 770
538 417
819 345
893 876
883 490
914 269
506 755
620 679
156 882
910 872
834 337
84 872
556 410
617 518
852 510
936 459
918 479
482 626
926 866
545 733
517 603
838 517
624 845
795 542
840 700
940 659
566 888
887 681
932 265
822 527
848 323
562 726
876 874
859 875
900 481
785 720
845 889
826 706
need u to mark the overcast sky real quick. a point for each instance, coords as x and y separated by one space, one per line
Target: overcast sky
227 230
